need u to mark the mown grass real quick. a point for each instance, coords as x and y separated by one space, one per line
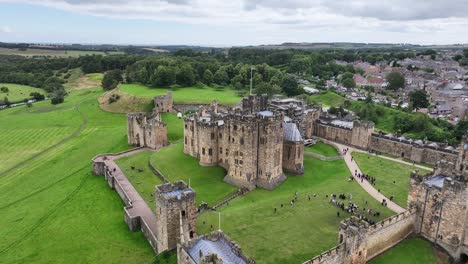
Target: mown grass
202 94
410 251
294 233
206 181
53 209
322 149
386 172
175 127
141 177
18 93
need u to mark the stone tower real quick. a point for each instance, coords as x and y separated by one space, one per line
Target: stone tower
361 133
175 214
353 234
293 150
311 115
163 103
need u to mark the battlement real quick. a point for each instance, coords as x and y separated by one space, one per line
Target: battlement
163 103
331 256
391 221
171 192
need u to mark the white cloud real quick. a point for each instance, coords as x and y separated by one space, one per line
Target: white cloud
283 17
5 29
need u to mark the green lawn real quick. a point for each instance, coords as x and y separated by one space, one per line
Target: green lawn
322 149
410 251
175 127
186 94
53 209
206 181
328 99
97 77
387 171
295 233
19 92
145 181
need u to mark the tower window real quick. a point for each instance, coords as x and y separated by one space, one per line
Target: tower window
203 151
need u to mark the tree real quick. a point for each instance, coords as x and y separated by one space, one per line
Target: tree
395 81
37 96
185 75
289 86
348 83
165 76
207 77
57 97
419 99
4 89
221 77
266 88
111 79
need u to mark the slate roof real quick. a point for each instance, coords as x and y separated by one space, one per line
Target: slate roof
291 133
437 181
220 247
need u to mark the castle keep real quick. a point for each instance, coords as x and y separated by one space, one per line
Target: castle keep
248 142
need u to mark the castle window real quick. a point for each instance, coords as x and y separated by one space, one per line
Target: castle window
185 126
183 214
241 162
212 136
210 152
221 150
203 151
235 128
242 154
185 140
242 141
242 129
233 140
220 135
191 142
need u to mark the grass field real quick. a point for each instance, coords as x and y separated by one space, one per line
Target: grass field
97 77
410 251
53 209
186 94
328 99
53 53
387 171
322 149
295 233
144 181
18 92
126 103
206 181
175 127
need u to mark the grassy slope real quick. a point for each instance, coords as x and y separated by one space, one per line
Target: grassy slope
328 99
186 94
410 251
144 181
295 233
175 127
18 92
387 171
206 181
322 149
54 209
97 77
127 103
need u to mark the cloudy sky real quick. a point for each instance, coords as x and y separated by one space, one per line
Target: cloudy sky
234 22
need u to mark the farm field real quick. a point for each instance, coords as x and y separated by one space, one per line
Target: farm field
52 53
206 181
186 94
19 92
410 251
294 233
53 208
387 171
322 149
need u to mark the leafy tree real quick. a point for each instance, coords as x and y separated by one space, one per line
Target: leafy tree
461 129
457 57
208 77
57 97
165 76
289 86
111 79
4 89
221 77
266 88
395 81
419 99
185 75
37 96
348 83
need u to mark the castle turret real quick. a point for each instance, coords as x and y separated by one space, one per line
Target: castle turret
293 150
175 214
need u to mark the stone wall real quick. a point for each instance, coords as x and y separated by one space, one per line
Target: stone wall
334 255
146 131
293 157
163 103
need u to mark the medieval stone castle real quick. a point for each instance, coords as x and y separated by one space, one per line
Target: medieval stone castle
257 143
253 143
